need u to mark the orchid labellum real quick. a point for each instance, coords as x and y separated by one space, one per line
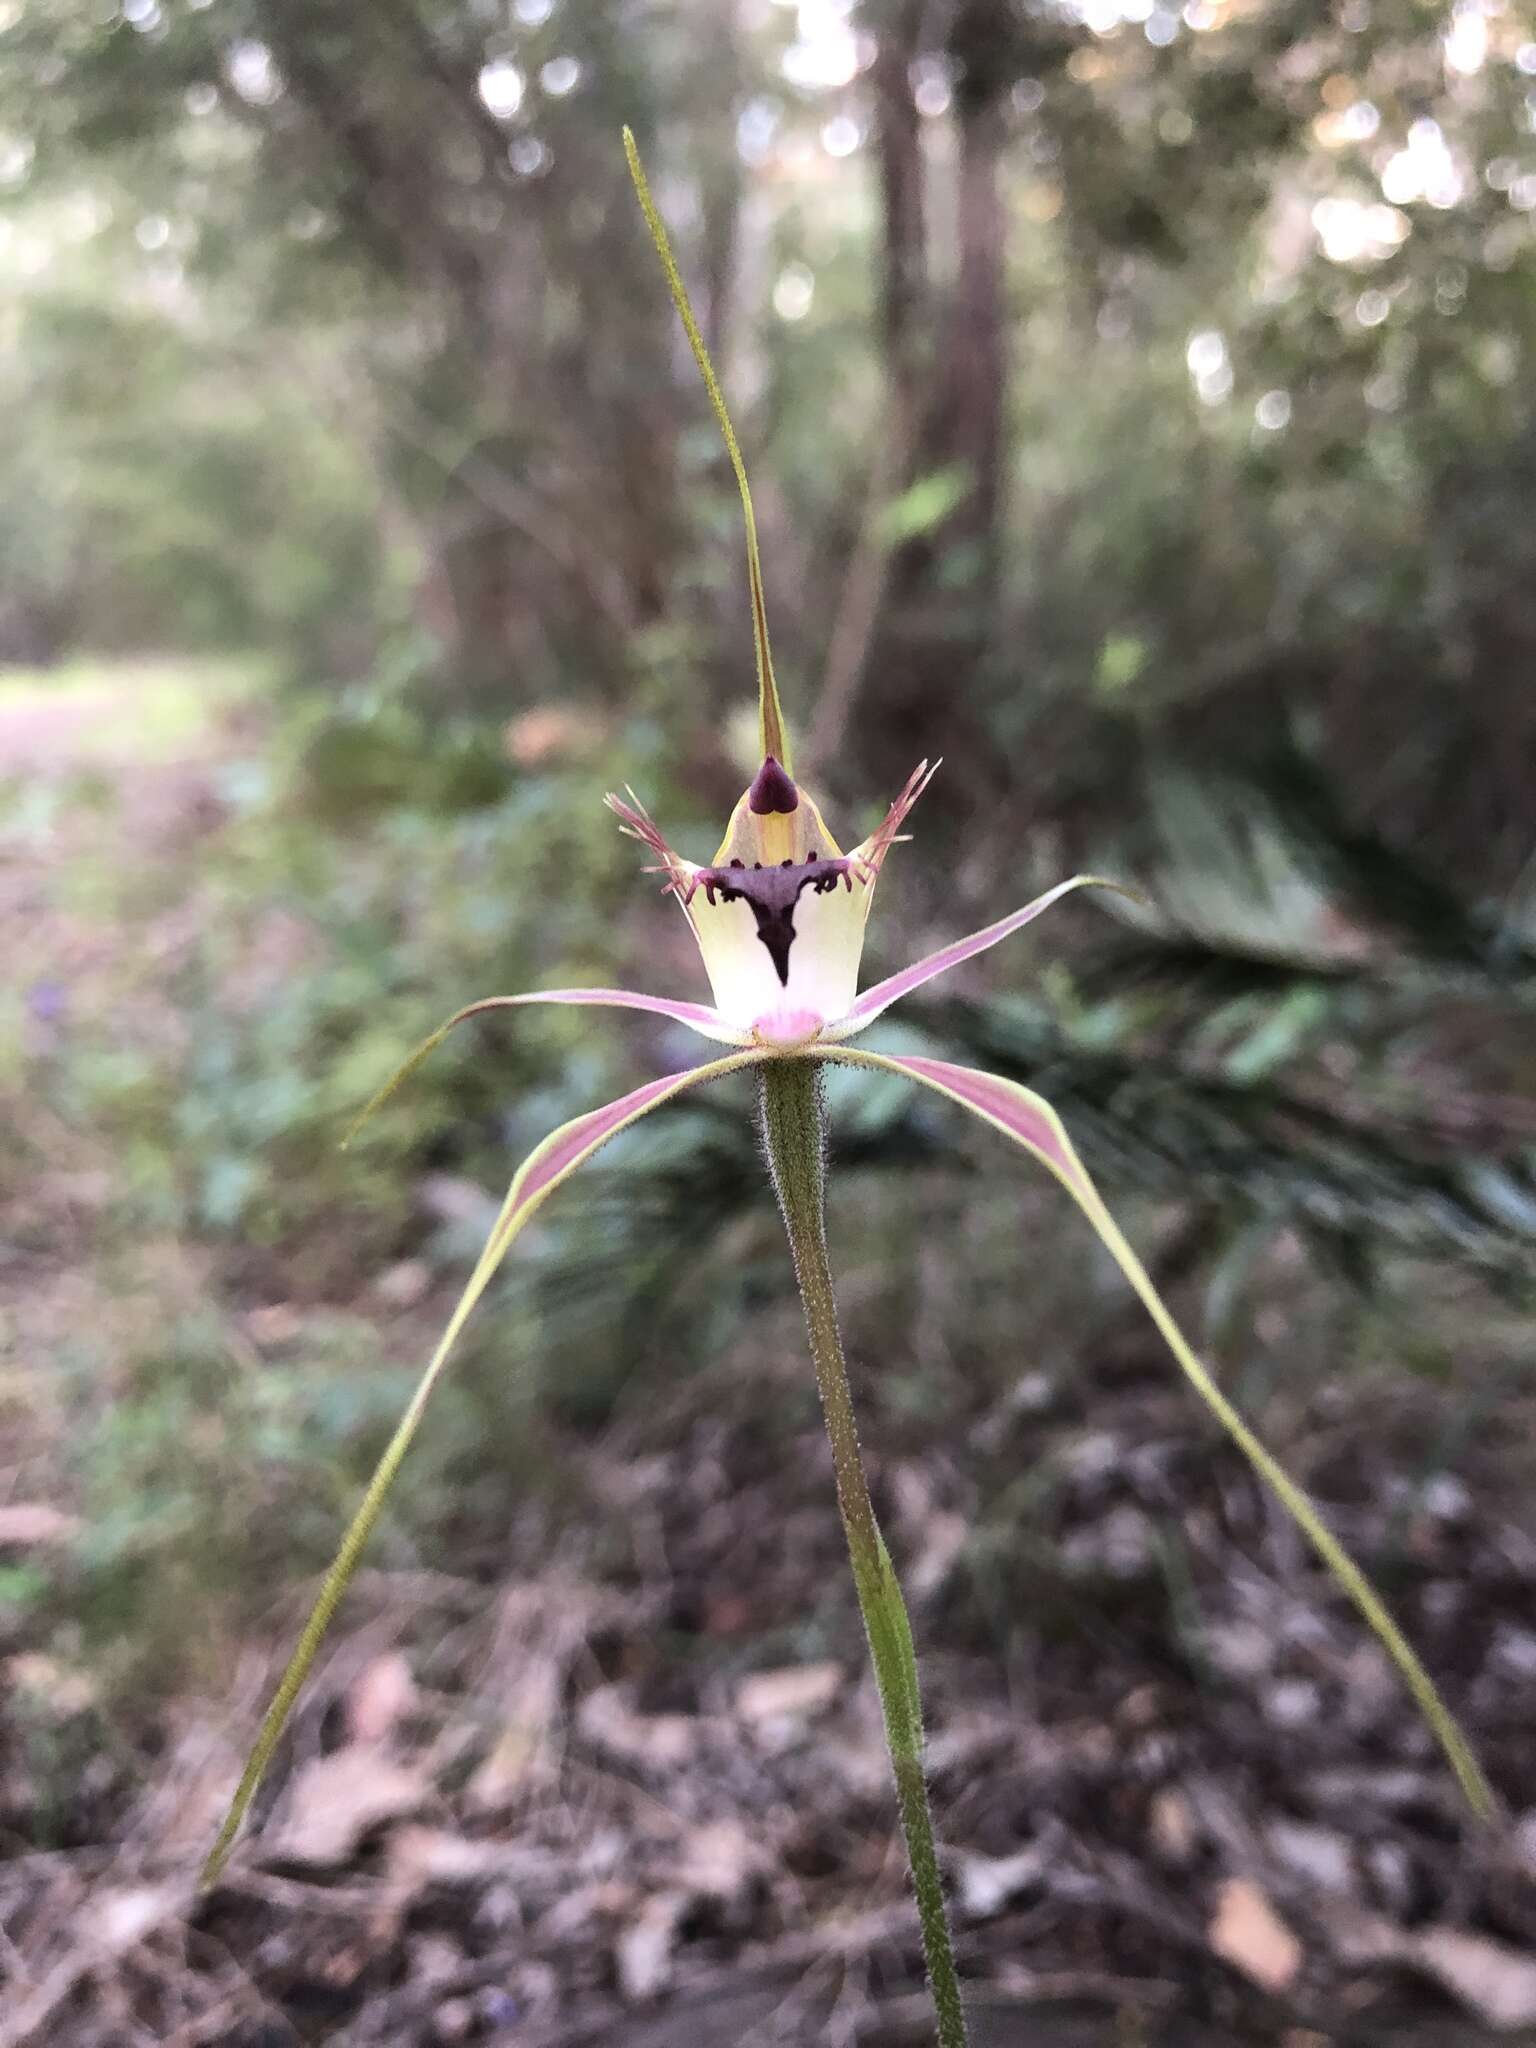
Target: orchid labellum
780 915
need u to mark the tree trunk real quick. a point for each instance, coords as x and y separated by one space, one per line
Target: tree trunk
904 279
947 373
975 354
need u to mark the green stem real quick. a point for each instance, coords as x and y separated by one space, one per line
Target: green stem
794 1133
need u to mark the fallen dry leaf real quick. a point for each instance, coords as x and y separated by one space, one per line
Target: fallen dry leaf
1320 1855
381 1695
419 1855
1360 1937
455 2019
122 1916
1247 1932
1498 1982
720 1859
1172 1826
530 1698
643 1953
985 1884
660 1741
337 1799
791 1693
517 1758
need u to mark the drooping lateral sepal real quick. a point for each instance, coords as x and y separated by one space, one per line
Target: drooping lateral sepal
1031 1122
546 1167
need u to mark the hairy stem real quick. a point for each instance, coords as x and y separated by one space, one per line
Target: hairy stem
794 1133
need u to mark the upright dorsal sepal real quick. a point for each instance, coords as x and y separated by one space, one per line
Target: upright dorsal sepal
770 716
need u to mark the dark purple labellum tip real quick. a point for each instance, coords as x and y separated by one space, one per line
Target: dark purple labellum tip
772 791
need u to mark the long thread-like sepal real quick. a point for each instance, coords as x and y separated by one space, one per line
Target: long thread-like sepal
1031 1122
550 1163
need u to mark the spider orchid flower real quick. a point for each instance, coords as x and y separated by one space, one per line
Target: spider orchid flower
780 915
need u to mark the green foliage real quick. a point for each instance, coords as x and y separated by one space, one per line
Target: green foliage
217 1066
921 507
176 489
215 1472
311 354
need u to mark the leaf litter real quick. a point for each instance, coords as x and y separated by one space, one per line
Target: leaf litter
556 1833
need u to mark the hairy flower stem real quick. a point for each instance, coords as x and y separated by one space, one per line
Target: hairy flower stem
794 1133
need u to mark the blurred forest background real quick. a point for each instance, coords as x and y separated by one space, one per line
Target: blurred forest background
1140 407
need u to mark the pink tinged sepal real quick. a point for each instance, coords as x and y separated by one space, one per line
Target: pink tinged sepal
550 1163
879 998
1026 1118
1031 1122
698 1016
